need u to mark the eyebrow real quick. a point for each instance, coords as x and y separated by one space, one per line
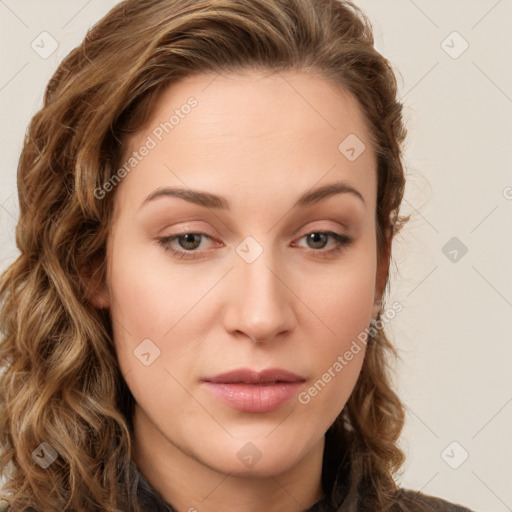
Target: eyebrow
217 202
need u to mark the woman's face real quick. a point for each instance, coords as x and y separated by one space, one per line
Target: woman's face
248 281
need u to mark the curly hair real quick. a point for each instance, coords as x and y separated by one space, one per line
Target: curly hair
61 382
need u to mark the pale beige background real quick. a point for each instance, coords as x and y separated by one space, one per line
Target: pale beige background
454 333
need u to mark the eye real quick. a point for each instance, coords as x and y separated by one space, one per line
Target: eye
188 243
319 239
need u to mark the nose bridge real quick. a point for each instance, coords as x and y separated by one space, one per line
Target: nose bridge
258 281
261 305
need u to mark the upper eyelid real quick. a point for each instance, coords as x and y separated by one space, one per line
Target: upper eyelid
342 226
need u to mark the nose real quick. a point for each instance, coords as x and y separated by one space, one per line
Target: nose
259 303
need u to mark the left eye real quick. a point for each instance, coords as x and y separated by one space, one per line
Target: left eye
319 239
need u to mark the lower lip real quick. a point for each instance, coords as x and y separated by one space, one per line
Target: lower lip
254 397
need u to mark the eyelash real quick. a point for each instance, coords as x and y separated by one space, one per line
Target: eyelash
341 241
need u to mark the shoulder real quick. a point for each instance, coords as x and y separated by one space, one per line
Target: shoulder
412 501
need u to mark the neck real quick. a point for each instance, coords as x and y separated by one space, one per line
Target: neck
190 485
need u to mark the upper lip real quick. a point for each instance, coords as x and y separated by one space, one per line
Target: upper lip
249 376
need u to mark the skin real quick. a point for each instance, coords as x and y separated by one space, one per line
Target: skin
260 140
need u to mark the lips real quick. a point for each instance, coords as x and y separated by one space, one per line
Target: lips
248 376
254 391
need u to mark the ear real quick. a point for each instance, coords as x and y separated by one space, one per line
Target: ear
95 284
382 269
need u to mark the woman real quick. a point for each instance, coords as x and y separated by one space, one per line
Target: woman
208 199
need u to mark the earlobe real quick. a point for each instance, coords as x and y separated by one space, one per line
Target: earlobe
96 291
382 271
99 300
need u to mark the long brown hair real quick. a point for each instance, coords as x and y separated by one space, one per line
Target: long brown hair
62 384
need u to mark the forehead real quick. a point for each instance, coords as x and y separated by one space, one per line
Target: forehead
253 101
250 131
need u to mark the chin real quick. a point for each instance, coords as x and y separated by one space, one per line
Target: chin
259 457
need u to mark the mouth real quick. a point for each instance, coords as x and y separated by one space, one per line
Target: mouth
248 376
254 391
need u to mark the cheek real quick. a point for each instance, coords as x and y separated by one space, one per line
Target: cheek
150 300
343 300
149 291
147 295
343 297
